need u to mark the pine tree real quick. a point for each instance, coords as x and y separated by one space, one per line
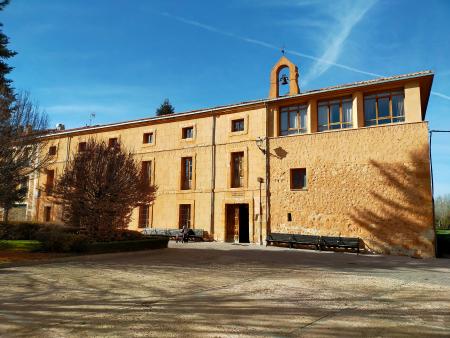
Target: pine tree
5 54
165 108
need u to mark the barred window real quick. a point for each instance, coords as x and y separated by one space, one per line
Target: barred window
147 171
144 216
185 215
237 169
186 173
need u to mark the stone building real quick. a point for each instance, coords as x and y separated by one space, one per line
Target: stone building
349 160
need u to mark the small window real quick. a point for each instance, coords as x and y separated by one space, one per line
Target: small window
47 214
186 173
237 125
50 182
81 147
148 138
187 132
185 216
237 169
52 151
289 217
113 142
298 178
144 216
147 171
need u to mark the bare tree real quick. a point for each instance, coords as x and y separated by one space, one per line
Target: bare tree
442 210
99 189
22 124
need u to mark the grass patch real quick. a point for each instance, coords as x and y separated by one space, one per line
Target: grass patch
20 245
442 232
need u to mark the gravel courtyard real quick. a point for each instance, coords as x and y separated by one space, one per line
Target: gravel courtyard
217 289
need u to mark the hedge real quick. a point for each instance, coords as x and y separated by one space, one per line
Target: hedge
119 246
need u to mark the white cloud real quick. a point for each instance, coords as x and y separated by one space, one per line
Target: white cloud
347 17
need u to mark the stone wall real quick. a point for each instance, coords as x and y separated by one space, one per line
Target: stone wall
372 183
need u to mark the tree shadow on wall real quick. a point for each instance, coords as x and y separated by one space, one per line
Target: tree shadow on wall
398 214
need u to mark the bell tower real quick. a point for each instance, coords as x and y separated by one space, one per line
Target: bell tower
292 80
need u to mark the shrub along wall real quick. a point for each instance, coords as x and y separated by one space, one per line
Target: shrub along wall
60 238
144 244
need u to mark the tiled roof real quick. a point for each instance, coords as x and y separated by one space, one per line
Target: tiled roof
245 103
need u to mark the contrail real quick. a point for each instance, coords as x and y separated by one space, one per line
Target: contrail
274 47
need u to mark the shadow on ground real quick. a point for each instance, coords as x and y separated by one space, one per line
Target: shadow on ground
221 290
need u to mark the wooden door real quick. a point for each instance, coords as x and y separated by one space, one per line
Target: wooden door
232 223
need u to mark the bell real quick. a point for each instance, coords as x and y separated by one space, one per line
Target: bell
284 79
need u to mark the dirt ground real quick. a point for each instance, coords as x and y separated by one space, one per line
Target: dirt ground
218 290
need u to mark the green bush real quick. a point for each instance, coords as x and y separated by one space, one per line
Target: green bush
19 230
29 230
56 240
145 244
125 235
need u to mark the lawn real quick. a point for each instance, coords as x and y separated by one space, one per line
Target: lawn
20 245
442 232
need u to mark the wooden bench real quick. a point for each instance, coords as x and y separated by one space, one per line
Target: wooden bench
292 239
275 237
340 242
307 240
319 242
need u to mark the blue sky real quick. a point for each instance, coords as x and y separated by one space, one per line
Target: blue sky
120 59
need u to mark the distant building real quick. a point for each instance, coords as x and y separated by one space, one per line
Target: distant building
348 160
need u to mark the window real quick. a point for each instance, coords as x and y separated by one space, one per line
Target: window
144 216
147 171
47 214
52 151
293 120
148 138
81 147
186 173
113 142
335 114
49 182
289 217
298 178
185 215
384 108
237 125
237 169
187 132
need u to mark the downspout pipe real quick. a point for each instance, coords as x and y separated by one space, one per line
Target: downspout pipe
267 154
213 173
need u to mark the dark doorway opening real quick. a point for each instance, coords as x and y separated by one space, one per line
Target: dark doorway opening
237 223
244 234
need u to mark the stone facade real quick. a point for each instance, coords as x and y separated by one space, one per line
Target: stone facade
370 182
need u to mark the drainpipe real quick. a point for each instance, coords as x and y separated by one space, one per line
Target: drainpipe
267 173
213 172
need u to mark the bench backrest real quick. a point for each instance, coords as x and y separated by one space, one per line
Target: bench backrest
276 236
349 241
306 238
